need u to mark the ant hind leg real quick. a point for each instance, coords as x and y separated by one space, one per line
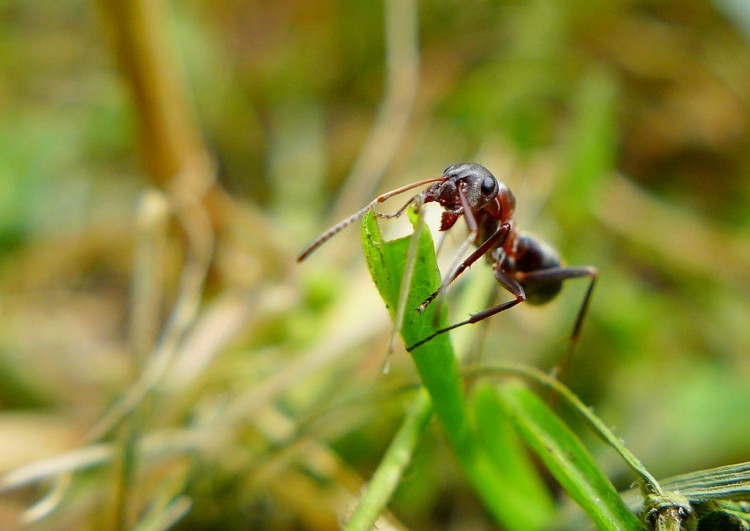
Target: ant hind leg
562 274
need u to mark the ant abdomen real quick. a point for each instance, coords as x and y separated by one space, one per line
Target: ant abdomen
533 255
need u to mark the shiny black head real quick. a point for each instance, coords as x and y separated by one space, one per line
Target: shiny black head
477 183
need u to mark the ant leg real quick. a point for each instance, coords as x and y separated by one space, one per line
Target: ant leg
507 282
471 221
561 274
439 247
497 239
416 200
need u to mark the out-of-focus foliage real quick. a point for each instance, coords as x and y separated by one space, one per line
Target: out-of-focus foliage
622 127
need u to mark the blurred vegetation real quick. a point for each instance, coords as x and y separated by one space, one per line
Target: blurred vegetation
164 359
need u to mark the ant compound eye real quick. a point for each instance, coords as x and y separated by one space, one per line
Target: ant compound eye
478 184
489 186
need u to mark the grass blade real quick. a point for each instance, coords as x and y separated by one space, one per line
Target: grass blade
388 474
437 366
501 443
566 458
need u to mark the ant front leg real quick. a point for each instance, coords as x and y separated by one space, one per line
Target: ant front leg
471 222
507 282
497 239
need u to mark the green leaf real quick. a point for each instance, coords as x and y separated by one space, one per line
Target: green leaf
437 366
384 481
566 458
435 360
501 442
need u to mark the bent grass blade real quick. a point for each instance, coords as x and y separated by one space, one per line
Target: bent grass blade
438 368
704 493
502 443
565 457
374 497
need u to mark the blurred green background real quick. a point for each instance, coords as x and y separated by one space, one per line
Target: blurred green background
159 346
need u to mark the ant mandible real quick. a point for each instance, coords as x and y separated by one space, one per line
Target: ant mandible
526 267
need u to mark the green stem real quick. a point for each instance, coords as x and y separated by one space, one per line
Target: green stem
391 468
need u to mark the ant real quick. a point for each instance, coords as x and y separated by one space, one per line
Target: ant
526 267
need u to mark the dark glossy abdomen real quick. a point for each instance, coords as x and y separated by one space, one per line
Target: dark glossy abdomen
535 255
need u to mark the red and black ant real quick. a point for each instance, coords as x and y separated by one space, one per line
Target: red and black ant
526 267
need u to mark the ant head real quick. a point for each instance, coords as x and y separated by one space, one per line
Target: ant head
481 188
477 183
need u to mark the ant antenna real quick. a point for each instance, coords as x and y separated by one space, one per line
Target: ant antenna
338 227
